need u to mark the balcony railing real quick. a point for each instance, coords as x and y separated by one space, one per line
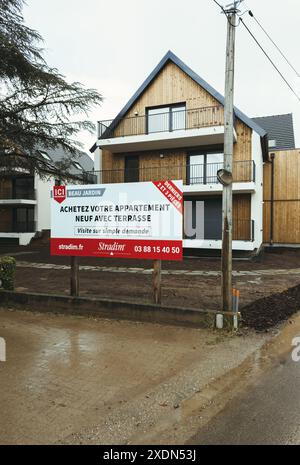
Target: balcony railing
242 230
89 177
243 171
162 122
8 194
18 227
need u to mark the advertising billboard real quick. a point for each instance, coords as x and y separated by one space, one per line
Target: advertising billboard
128 220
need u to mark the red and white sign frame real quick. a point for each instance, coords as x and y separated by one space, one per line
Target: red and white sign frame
129 220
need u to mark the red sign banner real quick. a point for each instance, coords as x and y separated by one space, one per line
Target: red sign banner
59 193
127 220
118 248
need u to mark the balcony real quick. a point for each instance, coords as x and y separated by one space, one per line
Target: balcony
10 196
183 128
18 227
201 177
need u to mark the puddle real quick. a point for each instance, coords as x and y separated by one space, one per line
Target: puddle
199 409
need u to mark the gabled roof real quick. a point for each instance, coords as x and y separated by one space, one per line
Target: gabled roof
280 129
171 57
59 154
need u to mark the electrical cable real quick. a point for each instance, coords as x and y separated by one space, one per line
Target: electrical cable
270 60
270 38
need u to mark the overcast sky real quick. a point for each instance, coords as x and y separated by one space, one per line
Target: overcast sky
112 45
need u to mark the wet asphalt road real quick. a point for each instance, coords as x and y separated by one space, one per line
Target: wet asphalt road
266 413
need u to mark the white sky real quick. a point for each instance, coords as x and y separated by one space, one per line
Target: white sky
112 45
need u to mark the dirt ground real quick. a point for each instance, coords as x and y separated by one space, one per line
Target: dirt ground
256 279
77 380
39 251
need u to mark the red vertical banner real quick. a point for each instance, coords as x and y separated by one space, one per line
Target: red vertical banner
171 192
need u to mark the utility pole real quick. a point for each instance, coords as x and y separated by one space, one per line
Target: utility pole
230 13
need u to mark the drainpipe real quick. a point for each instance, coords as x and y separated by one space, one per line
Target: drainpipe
272 155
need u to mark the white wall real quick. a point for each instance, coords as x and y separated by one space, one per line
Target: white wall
98 164
257 196
42 210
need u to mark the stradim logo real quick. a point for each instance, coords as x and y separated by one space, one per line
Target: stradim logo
115 247
2 350
296 351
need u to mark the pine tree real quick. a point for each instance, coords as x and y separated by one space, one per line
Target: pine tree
38 107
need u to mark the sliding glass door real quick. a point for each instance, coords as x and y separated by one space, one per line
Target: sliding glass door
166 118
203 167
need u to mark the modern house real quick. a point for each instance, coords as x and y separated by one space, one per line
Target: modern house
25 196
173 127
281 185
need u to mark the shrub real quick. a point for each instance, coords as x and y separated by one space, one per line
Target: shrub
7 273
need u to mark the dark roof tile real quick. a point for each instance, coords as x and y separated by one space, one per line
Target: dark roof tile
279 129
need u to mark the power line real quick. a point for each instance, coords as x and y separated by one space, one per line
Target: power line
268 35
262 49
270 60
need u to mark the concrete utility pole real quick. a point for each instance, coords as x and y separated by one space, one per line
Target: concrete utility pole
228 156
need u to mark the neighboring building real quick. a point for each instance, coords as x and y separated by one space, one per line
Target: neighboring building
25 197
173 127
281 182
280 131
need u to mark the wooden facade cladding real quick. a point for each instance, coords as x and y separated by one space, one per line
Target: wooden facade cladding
173 86
241 207
286 201
5 219
5 188
241 214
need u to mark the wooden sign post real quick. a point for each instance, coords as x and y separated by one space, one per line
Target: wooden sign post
74 280
157 281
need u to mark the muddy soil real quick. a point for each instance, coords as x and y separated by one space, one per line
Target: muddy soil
39 251
269 311
76 380
179 290
265 299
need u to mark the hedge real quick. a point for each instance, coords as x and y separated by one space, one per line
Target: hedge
7 273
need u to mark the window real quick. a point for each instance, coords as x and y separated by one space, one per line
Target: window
214 162
167 118
44 155
78 166
196 169
272 143
23 219
23 187
202 168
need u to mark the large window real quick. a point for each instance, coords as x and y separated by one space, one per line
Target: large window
23 219
167 118
203 218
202 167
23 187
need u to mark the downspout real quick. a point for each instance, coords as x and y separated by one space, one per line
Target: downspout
272 155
